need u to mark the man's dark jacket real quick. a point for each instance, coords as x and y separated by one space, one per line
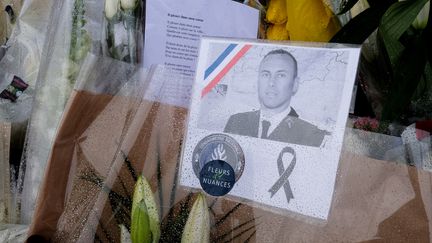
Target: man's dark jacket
291 129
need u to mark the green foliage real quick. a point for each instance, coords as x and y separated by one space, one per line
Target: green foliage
140 227
80 42
404 49
395 22
407 72
358 29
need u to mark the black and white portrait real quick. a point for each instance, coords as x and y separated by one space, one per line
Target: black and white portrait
276 119
277 94
286 106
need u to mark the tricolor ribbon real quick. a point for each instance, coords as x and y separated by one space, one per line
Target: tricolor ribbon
284 174
221 66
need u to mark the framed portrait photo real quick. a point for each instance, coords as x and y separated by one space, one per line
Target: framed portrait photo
266 122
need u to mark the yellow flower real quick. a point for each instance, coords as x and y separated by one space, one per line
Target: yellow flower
310 20
277 32
276 12
197 228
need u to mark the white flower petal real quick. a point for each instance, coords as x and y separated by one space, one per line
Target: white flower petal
111 7
128 4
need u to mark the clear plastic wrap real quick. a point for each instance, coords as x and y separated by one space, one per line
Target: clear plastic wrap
106 141
73 32
23 27
13 233
109 135
22 55
5 130
10 9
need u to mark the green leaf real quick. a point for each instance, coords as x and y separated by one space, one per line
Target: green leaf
140 226
143 194
358 29
427 33
395 22
400 16
346 5
407 74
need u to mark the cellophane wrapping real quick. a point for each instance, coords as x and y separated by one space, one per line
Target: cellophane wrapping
73 30
106 140
23 28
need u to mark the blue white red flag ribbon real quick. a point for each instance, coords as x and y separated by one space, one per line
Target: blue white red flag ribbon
221 66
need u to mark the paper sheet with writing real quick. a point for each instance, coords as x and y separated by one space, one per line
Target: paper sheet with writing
172 34
303 93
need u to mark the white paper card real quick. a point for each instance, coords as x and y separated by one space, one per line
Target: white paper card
173 29
303 92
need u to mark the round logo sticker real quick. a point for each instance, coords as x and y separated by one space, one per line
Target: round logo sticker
217 178
223 152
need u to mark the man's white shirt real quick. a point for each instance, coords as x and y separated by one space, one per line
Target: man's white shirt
274 120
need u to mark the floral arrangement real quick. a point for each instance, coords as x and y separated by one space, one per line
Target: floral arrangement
122 19
140 217
301 20
397 75
396 64
145 225
367 124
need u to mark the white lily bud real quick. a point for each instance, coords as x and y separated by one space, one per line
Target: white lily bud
111 8
197 228
128 4
146 218
422 18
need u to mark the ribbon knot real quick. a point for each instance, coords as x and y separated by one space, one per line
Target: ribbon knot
284 174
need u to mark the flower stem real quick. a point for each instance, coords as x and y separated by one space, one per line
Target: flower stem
130 25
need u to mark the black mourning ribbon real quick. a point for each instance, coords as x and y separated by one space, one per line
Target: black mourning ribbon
284 174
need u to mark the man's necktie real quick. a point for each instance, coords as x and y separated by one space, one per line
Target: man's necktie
265 128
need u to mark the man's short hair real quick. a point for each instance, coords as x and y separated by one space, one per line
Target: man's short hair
283 52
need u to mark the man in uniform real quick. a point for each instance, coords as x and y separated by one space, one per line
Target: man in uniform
276 119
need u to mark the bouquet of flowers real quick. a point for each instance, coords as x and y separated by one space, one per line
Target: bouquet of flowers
122 32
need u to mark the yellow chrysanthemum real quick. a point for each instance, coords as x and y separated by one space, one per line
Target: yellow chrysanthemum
310 20
276 12
277 32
